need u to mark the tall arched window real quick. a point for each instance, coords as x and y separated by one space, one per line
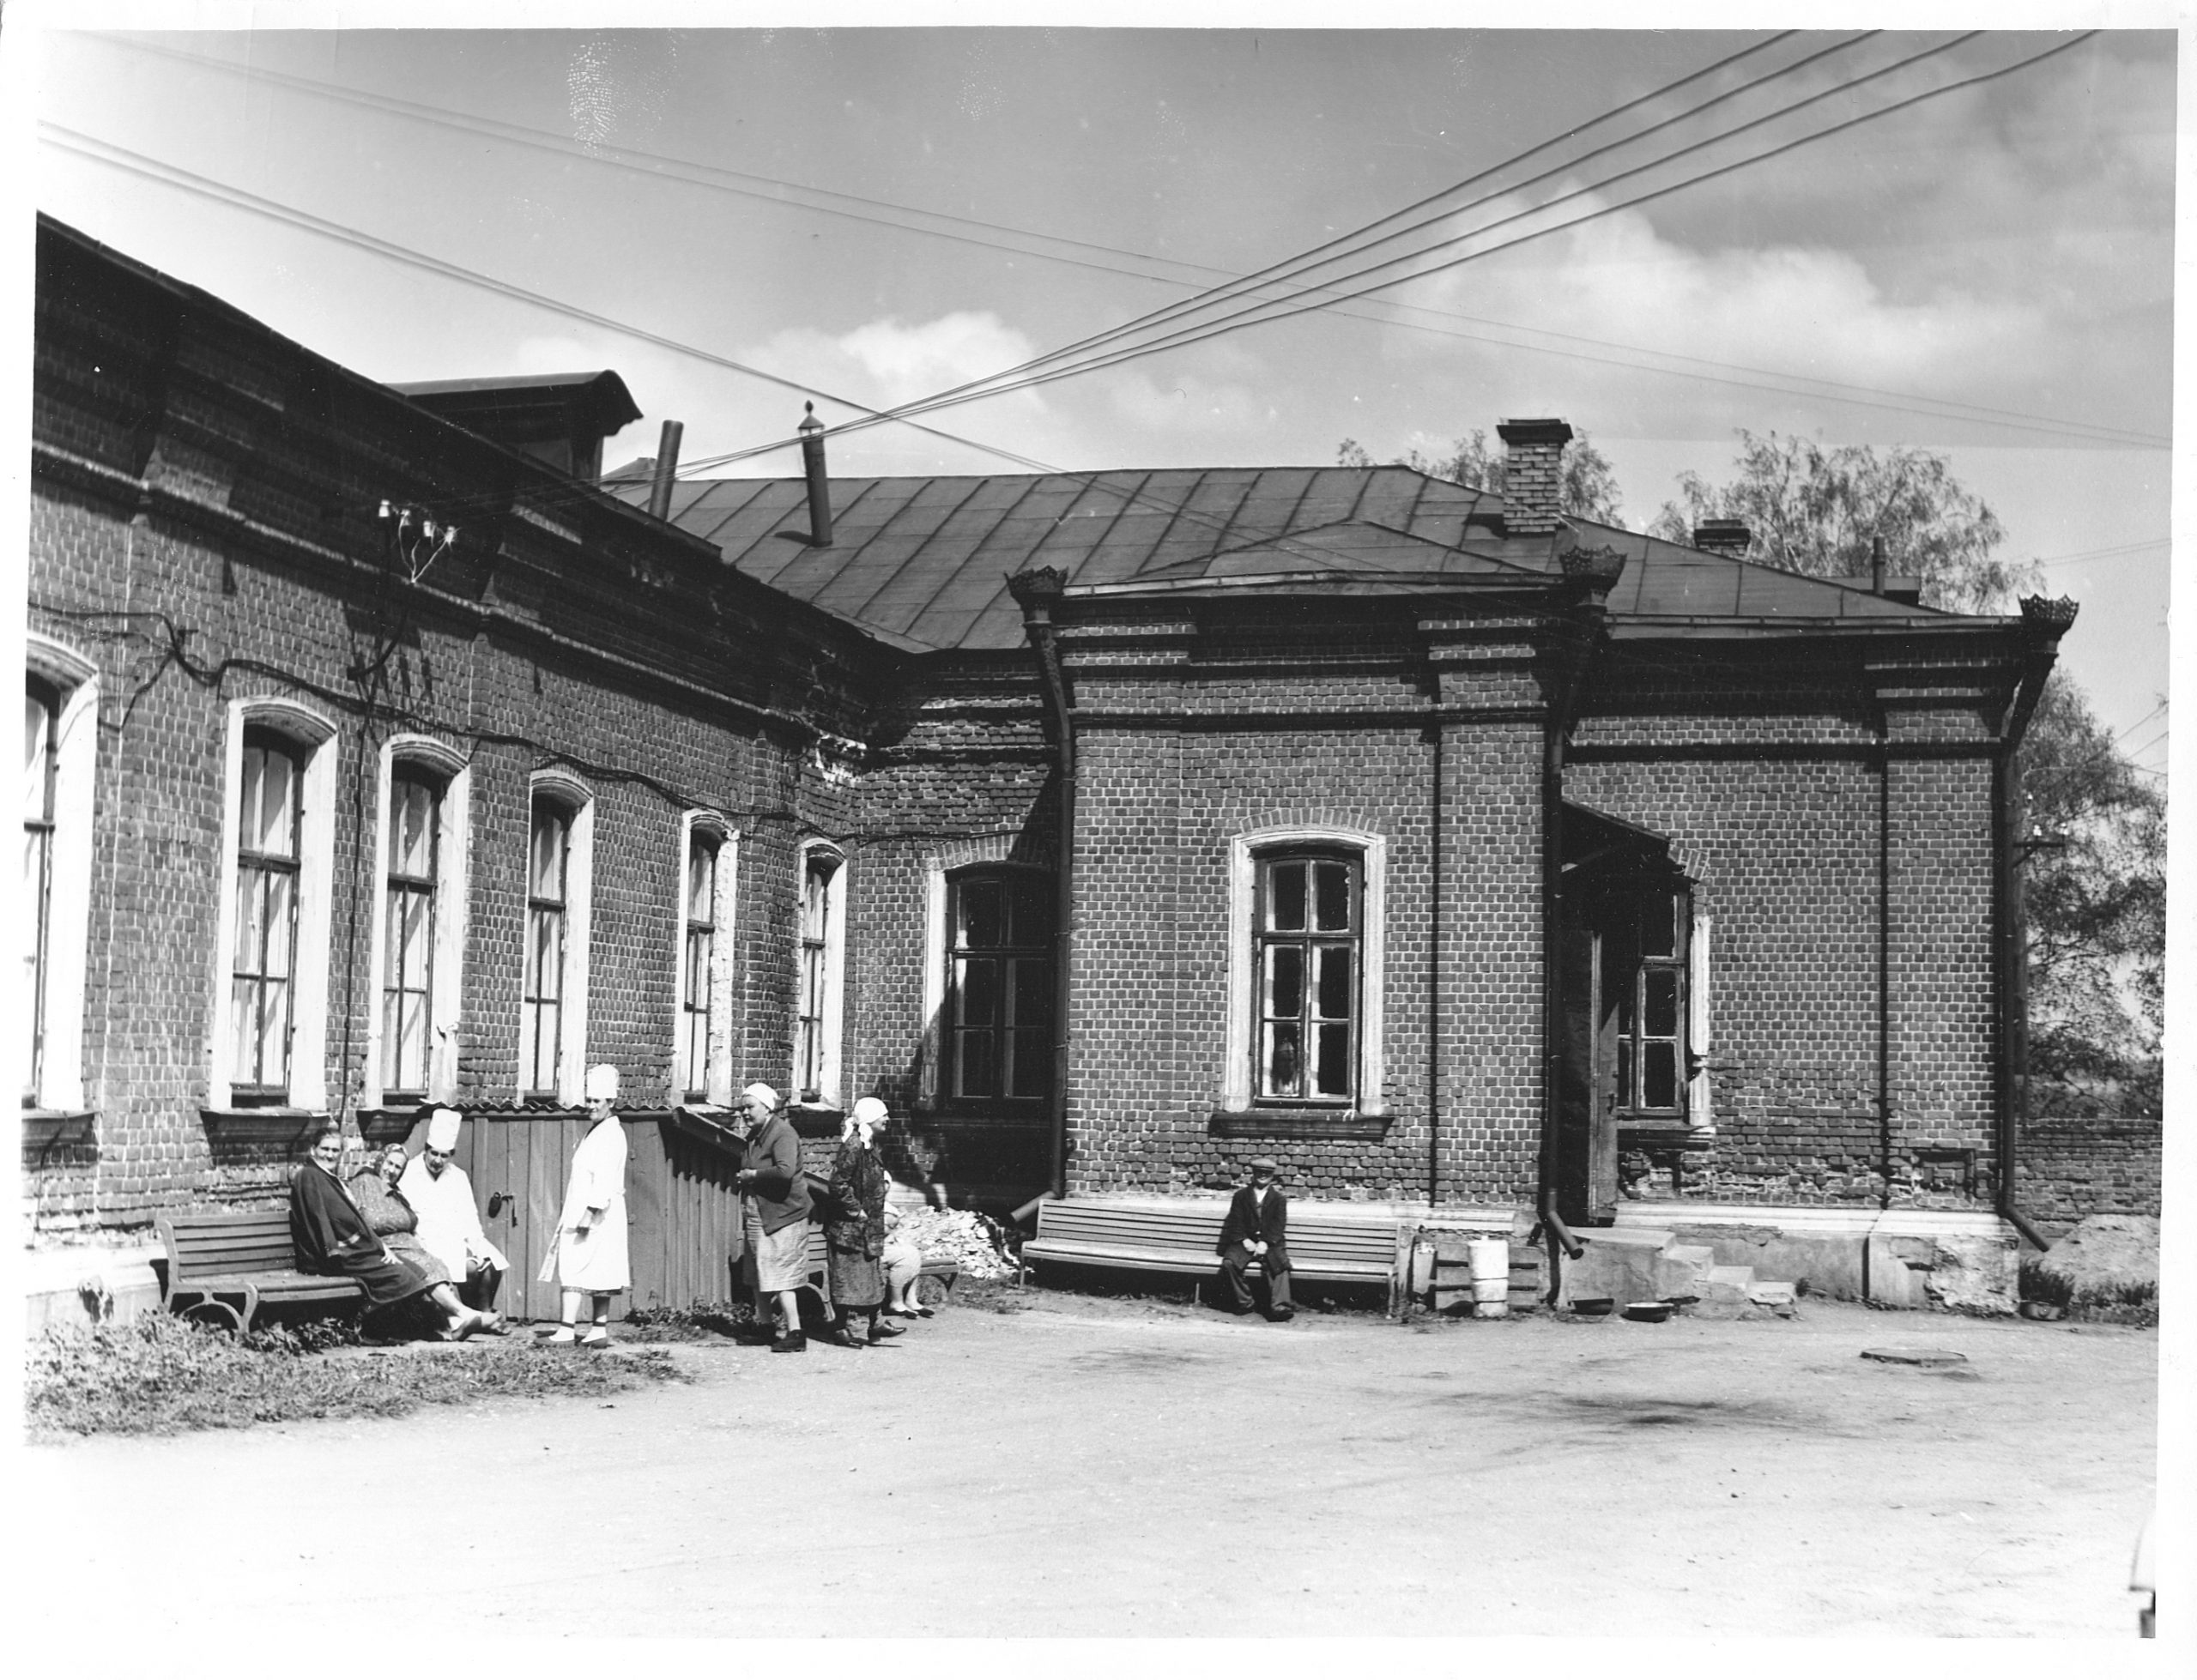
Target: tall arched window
263 975
41 762
547 917
698 968
822 923
410 907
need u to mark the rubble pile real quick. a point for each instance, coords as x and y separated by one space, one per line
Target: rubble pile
970 1240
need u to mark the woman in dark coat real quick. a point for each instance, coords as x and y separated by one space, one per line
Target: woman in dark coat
854 1230
331 1237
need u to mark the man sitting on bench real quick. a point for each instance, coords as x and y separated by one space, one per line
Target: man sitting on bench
1255 1233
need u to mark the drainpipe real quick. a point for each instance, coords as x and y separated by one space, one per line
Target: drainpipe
1884 962
1591 574
1434 980
2046 620
1037 591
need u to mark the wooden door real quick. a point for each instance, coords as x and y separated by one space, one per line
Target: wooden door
520 1165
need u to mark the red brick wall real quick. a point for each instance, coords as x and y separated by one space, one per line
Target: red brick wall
2068 1169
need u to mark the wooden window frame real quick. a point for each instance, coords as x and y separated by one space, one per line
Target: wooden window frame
255 872
397 888
1268 942
533 1003
47 695
1012 956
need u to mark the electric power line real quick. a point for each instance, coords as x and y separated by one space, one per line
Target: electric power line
1245 318
660 167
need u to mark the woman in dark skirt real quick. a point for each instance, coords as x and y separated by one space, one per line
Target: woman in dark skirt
854 1230
331 1237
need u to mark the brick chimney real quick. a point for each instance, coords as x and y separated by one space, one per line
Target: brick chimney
1532 475
1724 536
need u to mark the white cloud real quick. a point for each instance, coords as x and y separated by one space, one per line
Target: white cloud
1811 312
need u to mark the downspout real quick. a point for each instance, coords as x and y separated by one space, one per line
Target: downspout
1593 572
2046 620
1037 591
1434 983
1884 967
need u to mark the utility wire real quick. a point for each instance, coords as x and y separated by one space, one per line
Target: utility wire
1388 311
1253 316
125 159
98 151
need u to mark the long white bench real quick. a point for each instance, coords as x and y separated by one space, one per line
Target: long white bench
1184 1237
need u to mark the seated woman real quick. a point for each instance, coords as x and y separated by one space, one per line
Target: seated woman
331 1236
391 1217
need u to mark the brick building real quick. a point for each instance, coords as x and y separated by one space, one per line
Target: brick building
1114 827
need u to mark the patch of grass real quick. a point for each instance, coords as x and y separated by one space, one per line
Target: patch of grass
160 1375
2121 1303
692 1323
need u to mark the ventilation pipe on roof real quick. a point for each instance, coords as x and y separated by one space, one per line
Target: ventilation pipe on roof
667 467
820 484
1532 475
1876 565
1732 537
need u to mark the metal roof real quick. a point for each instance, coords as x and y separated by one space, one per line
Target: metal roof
923 562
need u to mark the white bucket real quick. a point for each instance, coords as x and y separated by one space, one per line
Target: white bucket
1489 1260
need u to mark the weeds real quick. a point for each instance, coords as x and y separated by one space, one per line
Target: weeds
2133 1303
159 1375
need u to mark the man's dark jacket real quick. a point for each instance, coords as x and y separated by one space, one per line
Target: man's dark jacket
1263 1217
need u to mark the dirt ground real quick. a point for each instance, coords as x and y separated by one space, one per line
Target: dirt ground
1092 1467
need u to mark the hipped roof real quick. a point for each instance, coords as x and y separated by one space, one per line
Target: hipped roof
923 562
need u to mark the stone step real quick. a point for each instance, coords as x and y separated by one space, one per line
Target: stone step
1724 1292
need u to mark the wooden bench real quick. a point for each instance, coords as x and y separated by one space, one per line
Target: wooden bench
1185 1237
946 1270
246 1255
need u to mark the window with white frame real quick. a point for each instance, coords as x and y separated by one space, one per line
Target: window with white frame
698 960
1306 937
270 834
541 1000
272 944
1305 968
415 809
41 769
553 990
822 947
60 754
998 1041
419 935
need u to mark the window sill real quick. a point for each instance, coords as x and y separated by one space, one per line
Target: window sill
390 1124
44 1128
814 1120
1332 1125
261 1127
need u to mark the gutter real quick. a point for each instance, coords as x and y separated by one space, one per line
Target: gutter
1037 591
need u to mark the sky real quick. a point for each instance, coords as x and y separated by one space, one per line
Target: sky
878 214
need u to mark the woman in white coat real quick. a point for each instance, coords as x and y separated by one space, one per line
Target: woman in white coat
589 1255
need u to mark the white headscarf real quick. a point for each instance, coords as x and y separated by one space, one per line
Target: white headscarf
869 1113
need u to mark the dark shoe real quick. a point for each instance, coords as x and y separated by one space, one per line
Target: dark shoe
1282 1317
794 1342
880 1331
846 1339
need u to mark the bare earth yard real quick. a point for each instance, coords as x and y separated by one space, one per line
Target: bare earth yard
1104 1467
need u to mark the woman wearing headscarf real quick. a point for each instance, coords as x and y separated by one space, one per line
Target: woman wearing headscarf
331 1237
588 1256
853 1234
387 1215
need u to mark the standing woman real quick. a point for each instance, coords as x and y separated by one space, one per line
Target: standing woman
854 1235
589 1254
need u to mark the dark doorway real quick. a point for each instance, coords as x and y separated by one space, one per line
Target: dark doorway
1627 924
